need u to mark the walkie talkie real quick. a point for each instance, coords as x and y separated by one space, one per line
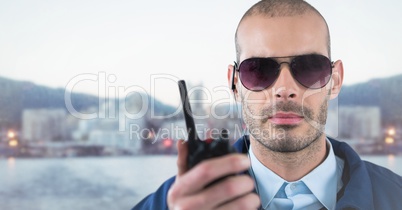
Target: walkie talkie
199 150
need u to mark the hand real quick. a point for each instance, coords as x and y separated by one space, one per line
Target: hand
192 192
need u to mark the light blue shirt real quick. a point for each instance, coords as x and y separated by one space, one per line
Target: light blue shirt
315 190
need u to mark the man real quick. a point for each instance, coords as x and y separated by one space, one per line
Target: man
284 79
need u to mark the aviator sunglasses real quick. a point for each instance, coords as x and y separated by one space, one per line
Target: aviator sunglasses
311 71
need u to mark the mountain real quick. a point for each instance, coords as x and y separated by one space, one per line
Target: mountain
385 93
19 95
15 96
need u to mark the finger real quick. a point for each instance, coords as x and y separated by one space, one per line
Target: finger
249 201
181 157
223 192
209 170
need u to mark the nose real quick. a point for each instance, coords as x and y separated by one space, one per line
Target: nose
285 87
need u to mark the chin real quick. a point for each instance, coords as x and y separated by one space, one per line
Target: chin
289 140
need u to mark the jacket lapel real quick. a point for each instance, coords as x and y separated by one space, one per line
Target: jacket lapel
357 190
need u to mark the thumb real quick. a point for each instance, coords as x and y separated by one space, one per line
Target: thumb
182 156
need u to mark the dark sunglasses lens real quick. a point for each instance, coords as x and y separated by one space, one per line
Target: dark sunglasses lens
312 71
258 73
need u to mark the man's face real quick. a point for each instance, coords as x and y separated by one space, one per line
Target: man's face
286 116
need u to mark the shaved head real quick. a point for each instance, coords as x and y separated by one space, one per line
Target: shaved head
280 8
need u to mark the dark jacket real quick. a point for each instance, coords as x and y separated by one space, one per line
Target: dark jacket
366 185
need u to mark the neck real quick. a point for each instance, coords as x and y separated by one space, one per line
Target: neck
291 166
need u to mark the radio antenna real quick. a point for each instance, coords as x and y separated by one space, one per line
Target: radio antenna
188 116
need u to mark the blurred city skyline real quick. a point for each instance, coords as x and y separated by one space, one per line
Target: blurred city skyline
47 124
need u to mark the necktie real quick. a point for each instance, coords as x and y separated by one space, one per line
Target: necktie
293 196
281 200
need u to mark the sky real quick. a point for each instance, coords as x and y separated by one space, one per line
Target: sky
110 48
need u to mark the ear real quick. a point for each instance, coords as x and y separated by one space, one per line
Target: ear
337 79
232 80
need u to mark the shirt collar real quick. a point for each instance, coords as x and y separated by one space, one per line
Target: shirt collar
267 182
320 181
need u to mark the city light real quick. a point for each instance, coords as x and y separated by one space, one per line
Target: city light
391 131
389 140
150 135
10 134
13 143
167 143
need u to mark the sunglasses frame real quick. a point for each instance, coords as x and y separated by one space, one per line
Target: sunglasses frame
237 68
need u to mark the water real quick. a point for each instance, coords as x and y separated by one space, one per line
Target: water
81 183
95 183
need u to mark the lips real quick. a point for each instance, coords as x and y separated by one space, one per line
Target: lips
282 118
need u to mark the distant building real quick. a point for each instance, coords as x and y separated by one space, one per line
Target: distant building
227 116
44 124
173 129
355 122
104 131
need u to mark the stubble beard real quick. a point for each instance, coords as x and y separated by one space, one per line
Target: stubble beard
282 138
